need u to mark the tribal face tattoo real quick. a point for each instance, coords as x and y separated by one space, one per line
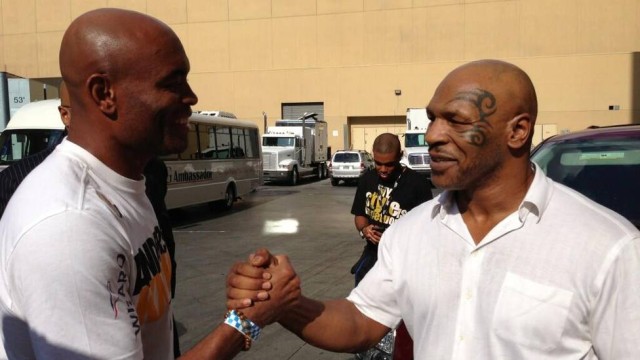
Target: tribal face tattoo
485 103
463 145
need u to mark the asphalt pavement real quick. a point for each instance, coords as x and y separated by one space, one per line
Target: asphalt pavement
311 223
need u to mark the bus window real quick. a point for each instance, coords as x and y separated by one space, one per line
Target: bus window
223 142
191 152
207 141
237 140
251 141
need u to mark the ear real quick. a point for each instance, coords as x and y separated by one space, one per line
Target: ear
103 94
65 115
520 131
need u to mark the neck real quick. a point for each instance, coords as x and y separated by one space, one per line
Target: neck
484 207
129 164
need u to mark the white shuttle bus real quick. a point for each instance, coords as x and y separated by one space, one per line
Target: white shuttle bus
221 163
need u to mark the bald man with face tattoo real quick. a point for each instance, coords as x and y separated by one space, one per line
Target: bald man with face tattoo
504 264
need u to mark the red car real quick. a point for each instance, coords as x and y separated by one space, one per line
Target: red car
602 163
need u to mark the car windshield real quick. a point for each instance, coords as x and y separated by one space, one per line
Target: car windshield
605 170
346 157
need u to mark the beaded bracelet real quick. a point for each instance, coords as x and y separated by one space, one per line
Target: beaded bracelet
237 320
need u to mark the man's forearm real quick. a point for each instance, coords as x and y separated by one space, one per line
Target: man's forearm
335 325
224 342
361 222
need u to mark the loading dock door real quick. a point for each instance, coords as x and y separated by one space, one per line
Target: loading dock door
364 130
296 110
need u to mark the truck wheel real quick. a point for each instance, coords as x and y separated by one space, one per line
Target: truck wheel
334 182
293 180
321 172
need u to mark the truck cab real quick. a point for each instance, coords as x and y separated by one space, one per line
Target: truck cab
416 150
295 148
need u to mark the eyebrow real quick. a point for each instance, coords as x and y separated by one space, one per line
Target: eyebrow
390 163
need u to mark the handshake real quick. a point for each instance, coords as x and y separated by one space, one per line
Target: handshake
266 289
263 287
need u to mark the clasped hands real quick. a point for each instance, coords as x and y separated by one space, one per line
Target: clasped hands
372 233
263 287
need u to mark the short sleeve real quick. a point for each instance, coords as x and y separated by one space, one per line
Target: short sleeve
358 206
375 295
615 321
70 277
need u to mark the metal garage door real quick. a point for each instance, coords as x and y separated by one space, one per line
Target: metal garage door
296 110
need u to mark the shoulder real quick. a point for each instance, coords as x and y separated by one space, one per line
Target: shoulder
573 203
65 240
415 221
68 189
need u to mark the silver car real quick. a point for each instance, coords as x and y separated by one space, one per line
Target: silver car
349 165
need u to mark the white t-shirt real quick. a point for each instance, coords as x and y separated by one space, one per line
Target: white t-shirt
558 279
84 271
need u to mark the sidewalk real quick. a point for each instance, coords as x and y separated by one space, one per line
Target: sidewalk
312 225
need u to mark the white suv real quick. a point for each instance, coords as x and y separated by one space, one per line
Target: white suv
349 165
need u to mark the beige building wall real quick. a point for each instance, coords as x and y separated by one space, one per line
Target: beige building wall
250 56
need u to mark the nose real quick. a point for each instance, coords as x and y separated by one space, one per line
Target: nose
190 98
435 132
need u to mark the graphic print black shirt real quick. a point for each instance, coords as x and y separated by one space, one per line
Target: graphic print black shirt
385 202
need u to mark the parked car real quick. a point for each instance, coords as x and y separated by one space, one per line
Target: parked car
602 163
349 165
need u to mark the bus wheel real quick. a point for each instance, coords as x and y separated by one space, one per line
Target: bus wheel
229 198
293 181
227 203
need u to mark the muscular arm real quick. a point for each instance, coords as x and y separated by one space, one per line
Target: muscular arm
335 325
224 342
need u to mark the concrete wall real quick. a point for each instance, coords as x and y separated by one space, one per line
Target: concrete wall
249 56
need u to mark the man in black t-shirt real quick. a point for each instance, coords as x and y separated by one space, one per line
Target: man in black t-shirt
384 195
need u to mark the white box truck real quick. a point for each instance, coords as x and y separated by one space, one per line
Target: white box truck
416 150
33 128
295 148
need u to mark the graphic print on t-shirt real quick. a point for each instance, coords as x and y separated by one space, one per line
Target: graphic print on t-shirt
153 284
118 294
381 208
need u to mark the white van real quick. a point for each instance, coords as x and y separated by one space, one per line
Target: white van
33 128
